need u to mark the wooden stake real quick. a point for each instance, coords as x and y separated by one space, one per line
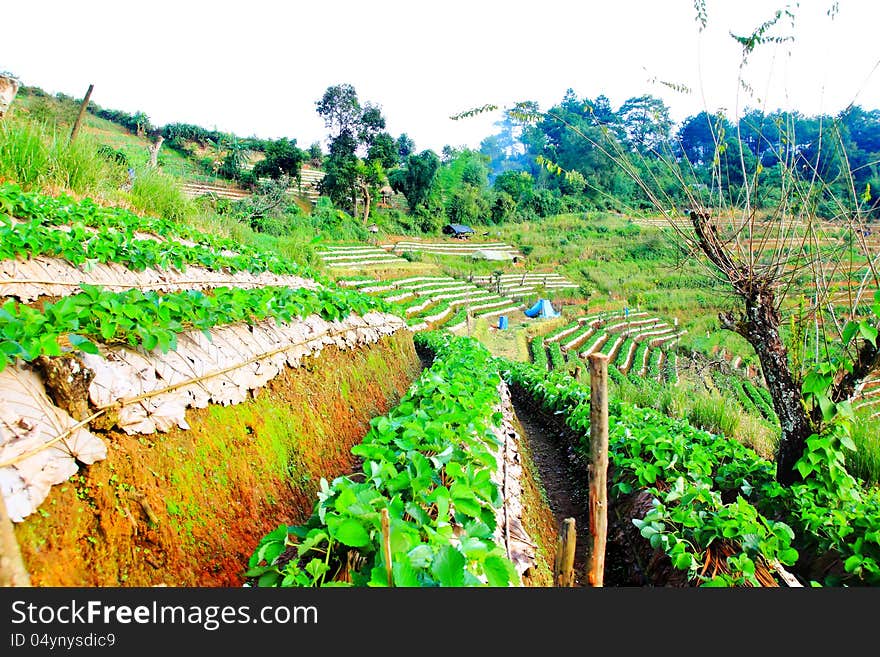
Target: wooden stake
386 544
564 568
82 111
12 569
599 467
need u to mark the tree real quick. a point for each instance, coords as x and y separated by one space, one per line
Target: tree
384 150
646 123
340 109
354 130
504 150
467 205
341 172
768 260
519 185
697 137
283 158
415 179
405 146
762 258
235 158
315 155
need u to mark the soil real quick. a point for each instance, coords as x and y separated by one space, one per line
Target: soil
187 507
562 478
629 559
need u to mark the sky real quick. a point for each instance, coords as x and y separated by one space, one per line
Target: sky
256 68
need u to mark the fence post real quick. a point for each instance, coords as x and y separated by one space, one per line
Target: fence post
564 567
82 111
386 545
599 468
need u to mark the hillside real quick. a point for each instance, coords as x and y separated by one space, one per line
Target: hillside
204 392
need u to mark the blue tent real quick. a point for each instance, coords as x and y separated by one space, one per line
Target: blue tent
542 308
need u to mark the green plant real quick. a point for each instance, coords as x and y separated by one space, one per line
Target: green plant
154 320
428 464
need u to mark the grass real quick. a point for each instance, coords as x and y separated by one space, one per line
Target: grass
155 193
39 157
865 462
707 410
49 110
511 343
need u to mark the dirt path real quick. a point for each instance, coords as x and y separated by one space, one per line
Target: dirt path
566 491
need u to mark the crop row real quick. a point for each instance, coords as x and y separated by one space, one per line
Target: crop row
687 470
539 352
428 463
41 212
557 358
151 320
81 245
710 489
64 210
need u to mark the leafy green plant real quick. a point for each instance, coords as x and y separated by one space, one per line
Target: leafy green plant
539 352
154 320
428 463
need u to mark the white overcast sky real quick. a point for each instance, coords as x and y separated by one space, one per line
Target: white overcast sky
256 68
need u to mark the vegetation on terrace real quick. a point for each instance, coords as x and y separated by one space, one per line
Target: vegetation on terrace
571 208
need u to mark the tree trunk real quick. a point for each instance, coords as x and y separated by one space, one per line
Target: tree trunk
365 190
154 151
760 326
8 89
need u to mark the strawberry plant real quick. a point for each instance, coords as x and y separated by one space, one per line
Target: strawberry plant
557 358
429 463
153 320
710 489
43 212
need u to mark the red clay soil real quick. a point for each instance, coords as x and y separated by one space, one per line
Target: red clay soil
187 508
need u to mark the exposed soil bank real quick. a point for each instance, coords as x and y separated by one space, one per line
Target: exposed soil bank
187 508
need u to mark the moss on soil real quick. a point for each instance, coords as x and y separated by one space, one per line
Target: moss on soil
187 508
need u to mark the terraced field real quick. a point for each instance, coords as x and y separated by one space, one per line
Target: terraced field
358 257
490 250
637 344
435 301
526 283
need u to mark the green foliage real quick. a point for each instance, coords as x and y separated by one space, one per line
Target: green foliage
137 123
36 156
539 352
557 358
282 158
116 238
709 489
154 320
416 178
428 463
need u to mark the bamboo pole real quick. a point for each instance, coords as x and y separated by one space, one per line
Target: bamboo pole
386 544
82 111
599 467
12 568
564 568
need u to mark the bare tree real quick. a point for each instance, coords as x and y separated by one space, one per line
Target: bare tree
771 254
153 149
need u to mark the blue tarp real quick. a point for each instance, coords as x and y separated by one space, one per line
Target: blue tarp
542 308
